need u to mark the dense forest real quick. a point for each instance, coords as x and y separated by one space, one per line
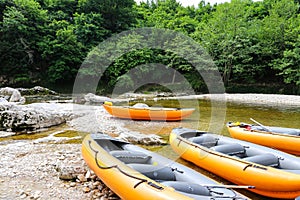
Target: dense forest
255 45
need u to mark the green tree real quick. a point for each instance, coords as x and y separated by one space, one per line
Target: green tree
277 35
60 9
89 29
225 36
21 29
118 15
288 64
62 52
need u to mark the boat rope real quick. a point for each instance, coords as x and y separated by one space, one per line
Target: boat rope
141 180
219 154
179 143
254 166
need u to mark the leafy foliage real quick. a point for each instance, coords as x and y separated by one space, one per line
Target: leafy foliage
47 41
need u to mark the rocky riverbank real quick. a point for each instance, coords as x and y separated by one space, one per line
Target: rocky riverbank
39 169
43 168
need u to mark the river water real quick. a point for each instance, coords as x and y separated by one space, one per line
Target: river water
213 117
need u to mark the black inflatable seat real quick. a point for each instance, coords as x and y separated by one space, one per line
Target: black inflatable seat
230 149
205 140
189 188
267 159
131 156
163 173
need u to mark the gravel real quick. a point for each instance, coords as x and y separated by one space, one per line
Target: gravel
47 171
270 100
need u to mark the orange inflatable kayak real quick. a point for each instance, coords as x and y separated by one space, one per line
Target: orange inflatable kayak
273 173
148 113
284 139
133 172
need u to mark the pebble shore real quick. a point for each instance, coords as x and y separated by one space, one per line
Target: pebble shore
270 100
48 171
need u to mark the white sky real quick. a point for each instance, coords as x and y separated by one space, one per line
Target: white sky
196 2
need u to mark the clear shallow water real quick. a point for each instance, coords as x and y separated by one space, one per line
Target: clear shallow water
210 116
204 119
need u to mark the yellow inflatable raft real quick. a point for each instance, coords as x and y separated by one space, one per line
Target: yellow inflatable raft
273 173
284 139
135 173
148 113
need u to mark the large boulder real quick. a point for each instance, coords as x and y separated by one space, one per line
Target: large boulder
92 98
37 90
11 95
21 118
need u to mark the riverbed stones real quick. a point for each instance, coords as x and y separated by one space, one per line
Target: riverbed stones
41 167
71 173
82 178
